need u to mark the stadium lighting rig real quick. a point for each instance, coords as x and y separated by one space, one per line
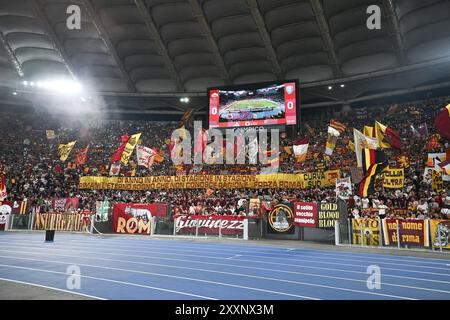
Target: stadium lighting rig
58 86
184 100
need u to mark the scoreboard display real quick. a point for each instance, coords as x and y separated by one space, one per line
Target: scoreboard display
264 104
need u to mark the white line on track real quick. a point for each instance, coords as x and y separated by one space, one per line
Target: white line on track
225 284
315 261
108 280
222 272
259 262
258 255
319 251
279 250
53 288
171 276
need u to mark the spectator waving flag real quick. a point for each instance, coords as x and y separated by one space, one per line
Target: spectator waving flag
50 134
340 127
82 156
362 141
3 193
115 169
145 156
442 122
65 149
300 147
369 131
387 138
367 185
129 148
445 166
433 142
119 152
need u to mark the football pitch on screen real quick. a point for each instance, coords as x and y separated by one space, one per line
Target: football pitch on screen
253 104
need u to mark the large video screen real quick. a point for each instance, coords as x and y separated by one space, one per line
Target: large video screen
253 105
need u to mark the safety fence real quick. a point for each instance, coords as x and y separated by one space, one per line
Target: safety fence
430 234
131 218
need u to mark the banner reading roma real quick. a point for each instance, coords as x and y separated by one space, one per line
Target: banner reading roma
285 181
62 222
440 233
394 178
412 232
210 225
136 217
370 231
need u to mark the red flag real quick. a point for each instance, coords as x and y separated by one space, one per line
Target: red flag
3 193
442 123
81 156
433 142
118 155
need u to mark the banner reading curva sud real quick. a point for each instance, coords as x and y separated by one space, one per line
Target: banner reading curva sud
210 224
136 217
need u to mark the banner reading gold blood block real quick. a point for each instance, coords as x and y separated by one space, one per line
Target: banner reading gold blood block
370 231
287 181
440 233
412 232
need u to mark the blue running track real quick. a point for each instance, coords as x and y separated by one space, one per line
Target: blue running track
115 267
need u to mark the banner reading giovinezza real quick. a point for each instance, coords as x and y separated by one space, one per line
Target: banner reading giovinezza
412 232
135 217
305 214
209 224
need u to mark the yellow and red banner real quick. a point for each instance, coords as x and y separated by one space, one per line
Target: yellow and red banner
440 233
316 179
412 232
394 178
370 231
62 222
129 148
65 149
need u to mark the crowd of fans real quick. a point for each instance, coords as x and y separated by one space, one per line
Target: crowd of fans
33 171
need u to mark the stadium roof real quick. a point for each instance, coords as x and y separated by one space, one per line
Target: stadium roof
143 54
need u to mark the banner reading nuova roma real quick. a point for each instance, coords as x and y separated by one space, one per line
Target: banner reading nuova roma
286 181
440 233
412 232
370 231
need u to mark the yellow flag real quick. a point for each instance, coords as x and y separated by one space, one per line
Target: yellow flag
129 148
65 149
288 150
351 146
368 131
50 134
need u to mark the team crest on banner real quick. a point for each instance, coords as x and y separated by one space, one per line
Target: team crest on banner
343 188
440 233
280 219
